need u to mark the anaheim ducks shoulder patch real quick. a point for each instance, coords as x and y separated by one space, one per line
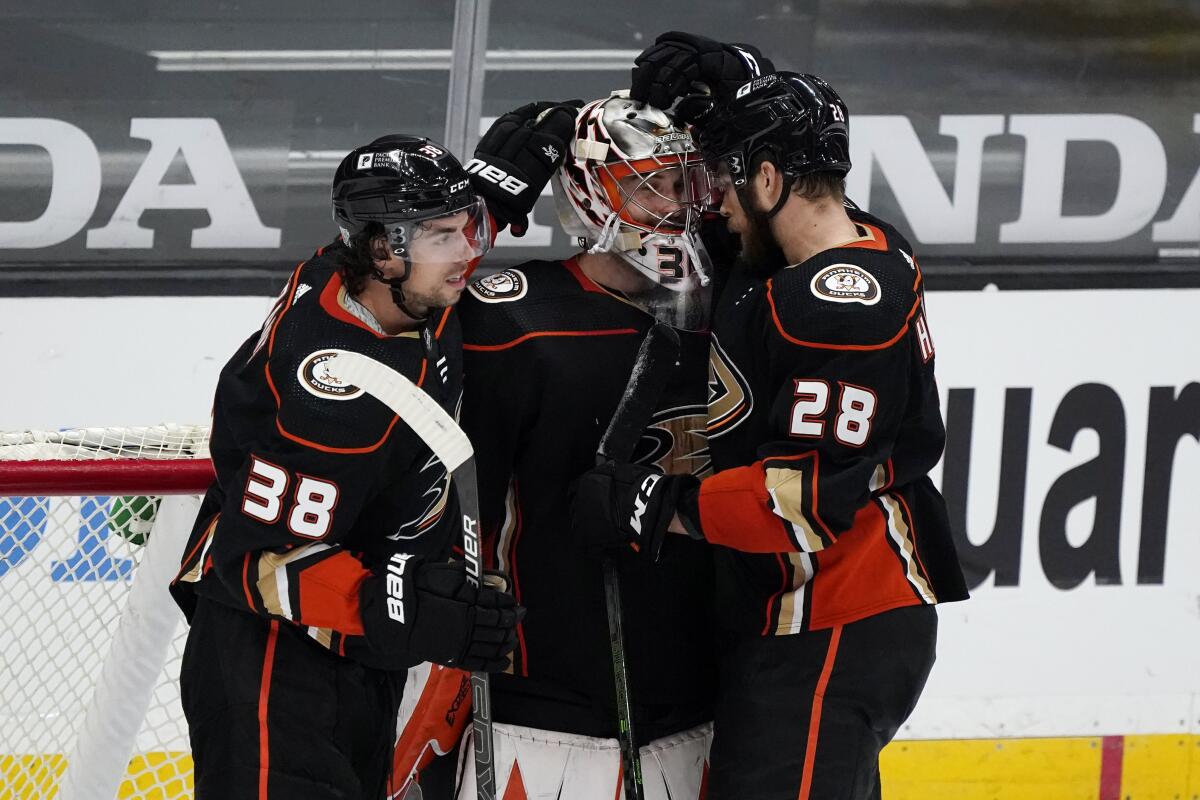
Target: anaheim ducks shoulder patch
502 287
316 380
846 283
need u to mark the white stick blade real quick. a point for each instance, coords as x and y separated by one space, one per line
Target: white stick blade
409 402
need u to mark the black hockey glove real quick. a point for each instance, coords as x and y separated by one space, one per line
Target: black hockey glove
416 611
516 157
617 506
684 65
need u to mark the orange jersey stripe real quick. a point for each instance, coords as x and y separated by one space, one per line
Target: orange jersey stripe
734 512
822 346
861 576
329 594
814 722
536 334
264 693
735 509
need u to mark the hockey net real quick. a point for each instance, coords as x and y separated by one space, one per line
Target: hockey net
92 525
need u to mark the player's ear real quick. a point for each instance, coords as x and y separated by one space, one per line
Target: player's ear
770 182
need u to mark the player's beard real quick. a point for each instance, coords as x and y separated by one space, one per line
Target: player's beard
761 255
426 303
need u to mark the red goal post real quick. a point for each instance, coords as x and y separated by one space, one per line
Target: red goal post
92 525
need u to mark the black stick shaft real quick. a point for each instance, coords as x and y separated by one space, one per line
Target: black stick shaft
652 369
481 695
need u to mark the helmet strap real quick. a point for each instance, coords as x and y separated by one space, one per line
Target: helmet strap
396 285
783 195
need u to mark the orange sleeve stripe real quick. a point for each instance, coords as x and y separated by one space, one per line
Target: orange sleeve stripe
536 334
329 594
812 511
911 521
735 512
823 346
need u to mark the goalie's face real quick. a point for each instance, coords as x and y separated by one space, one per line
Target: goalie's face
659 198
656 194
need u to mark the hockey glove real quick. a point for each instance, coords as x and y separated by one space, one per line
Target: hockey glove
416 611
684 65
618 506
516 157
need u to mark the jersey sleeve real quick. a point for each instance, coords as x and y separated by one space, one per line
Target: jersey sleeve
836 410
278 542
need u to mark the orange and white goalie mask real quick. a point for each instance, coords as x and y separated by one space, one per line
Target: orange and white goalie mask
633 184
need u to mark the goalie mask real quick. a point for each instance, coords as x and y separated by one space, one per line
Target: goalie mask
406 184
634 185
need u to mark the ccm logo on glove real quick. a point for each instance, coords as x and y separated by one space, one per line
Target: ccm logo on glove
490 172
641 501
395 585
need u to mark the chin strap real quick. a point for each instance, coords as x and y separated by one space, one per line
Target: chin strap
396 285
608 235
783 196
744 197
611 238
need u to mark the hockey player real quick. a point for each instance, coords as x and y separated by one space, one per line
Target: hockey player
549 347
318 569
832 545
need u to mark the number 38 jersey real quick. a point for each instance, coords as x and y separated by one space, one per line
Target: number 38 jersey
823 424
318 482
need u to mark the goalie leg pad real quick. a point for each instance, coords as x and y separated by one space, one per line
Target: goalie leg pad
532 764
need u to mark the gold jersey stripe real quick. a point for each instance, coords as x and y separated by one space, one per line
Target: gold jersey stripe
787 490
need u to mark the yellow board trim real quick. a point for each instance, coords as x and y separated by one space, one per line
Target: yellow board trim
1153 767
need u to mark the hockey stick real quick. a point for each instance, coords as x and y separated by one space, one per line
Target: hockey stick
452 447
651 371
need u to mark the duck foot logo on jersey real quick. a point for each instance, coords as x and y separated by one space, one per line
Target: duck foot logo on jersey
318 381
846 283
501 287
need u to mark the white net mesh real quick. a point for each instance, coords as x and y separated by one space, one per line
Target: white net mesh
67 572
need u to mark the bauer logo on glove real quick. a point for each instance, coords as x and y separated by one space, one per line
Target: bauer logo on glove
516 157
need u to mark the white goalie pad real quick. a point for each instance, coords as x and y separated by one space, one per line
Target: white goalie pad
534 764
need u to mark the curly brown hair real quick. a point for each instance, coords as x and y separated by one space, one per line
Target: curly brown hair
357 260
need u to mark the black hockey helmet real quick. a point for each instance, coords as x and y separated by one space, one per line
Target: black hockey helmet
798 119
403 182
399 181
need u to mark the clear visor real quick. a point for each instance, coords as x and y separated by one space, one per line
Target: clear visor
457 237
658 194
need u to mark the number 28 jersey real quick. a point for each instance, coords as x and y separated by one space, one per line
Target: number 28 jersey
823 425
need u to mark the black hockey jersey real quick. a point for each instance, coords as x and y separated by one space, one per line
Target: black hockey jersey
823 423
318 482
547 355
